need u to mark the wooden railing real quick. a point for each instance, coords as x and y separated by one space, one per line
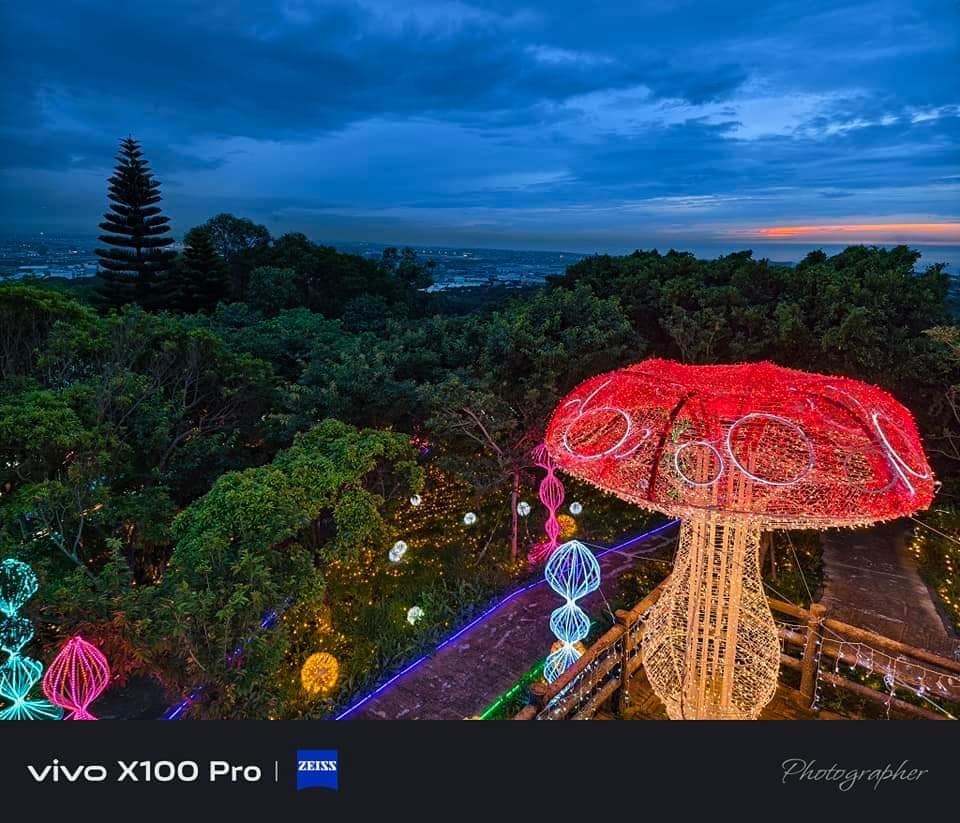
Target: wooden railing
813 645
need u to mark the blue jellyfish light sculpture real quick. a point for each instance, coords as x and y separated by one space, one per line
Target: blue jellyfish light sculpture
19 674
572 572
18 584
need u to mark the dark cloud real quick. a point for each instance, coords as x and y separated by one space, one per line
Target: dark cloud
696 86
193 69
337 110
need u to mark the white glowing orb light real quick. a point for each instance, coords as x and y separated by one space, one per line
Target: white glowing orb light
414 615
397 552
576 507
523 508
469 518
416 500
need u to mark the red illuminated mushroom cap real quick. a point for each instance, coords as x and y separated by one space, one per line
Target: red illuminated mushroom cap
786 447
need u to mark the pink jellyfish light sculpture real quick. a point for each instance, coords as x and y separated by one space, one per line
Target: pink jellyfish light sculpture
551 495
78 675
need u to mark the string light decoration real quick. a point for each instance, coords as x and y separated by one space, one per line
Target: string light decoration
18 584
320 673
469 518
551 494
523 508
870 666
78 675
936 547
416 500
572 572
15 633
734 450
19 674
322 623
576 508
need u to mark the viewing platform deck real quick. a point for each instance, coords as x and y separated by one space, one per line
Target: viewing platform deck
841 671
643 704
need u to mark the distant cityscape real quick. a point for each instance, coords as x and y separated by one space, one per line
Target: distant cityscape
460 268
50 255
68 256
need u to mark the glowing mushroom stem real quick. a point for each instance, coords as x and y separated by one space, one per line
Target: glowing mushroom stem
710 646
734 450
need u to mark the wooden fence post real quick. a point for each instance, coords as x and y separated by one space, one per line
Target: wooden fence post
811 652
538 695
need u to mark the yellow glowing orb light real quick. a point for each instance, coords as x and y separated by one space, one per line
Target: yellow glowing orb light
568 526
319 674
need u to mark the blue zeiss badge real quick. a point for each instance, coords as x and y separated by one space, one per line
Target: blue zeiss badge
318 769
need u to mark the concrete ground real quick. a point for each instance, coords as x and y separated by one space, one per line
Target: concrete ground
871 581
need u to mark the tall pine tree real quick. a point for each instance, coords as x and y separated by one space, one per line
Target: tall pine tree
132 268
199 280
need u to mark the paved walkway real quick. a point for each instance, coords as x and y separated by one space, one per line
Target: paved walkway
871 581
469 673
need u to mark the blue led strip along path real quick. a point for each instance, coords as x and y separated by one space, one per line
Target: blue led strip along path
178 710
416 703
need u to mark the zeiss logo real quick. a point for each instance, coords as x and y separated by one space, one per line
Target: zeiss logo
318 769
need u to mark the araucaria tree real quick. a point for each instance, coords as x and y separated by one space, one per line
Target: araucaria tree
136 232
199 278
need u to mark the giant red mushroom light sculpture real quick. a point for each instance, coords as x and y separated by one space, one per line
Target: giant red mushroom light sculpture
733 451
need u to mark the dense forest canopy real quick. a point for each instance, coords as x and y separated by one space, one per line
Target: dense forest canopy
174 470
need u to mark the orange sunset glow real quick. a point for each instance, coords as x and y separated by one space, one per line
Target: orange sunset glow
862 232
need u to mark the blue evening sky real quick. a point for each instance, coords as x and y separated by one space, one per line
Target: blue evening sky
562 125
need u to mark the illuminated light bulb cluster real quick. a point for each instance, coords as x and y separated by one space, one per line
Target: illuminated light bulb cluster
469 518
572 572
19 674
551 493
78 675
733 451
937 551
414 615
568 526
397 551
416 500
320 673
523 508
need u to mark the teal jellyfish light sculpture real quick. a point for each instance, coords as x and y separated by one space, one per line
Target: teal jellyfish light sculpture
572 572
19 674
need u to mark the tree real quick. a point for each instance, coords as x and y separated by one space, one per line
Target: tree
27 315
199 280
232 236
261 538
530 353
409 272
272 290
136 232
237 240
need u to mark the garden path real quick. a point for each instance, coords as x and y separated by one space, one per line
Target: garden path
468 673
871 581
